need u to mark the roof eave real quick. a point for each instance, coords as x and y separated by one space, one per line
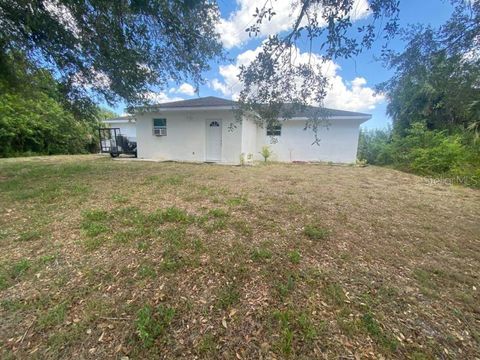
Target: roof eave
362 118
183 108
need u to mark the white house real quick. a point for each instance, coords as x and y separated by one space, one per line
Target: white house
206 130
126 124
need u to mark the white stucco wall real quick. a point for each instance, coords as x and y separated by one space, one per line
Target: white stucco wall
338 143
249 138
186 134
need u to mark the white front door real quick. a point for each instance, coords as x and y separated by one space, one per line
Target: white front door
214 140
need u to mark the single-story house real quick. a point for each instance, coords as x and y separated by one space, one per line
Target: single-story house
126 124
206 130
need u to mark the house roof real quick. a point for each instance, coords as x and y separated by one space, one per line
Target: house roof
208 101
212 102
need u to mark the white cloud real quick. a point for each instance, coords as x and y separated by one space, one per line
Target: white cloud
351 95
232 30
159 97
185 88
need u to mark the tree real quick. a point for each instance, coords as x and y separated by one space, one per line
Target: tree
34 117
275 77
118 50
437 75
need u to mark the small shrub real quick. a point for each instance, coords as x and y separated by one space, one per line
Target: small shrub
315 232
153 322
294 257
266 153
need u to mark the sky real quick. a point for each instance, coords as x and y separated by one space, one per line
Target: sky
351 81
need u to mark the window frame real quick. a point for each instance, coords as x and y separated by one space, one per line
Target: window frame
159 126
274 130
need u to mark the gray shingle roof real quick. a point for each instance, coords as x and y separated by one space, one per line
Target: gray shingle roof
208 101
213 101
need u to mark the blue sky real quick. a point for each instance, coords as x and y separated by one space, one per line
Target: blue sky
352 80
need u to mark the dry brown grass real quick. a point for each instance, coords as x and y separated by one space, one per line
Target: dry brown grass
105 259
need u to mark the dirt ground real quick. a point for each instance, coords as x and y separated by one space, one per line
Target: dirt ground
126 259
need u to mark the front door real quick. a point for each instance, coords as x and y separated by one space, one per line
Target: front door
214 140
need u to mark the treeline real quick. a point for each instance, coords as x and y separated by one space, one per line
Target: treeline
434 101
36 117
453 156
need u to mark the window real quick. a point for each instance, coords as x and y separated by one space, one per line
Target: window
214 124
274 130
159 127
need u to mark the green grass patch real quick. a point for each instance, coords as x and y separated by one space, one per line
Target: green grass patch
294 256
373 328
146 271
53 316
207 345
293 325
228 296
315 232
152 323
30 235
335 294
261 254
285 288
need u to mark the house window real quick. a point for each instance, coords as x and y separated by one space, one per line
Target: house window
274 130
160 127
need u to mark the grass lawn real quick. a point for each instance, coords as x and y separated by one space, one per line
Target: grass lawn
111 259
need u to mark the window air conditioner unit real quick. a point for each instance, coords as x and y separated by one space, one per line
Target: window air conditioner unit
160 131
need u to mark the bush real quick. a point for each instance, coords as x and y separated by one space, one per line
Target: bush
453 156
266 153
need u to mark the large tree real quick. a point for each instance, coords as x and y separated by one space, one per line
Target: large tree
437 76
118 49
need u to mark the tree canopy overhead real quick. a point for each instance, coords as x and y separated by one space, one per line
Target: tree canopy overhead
276 76
117 49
